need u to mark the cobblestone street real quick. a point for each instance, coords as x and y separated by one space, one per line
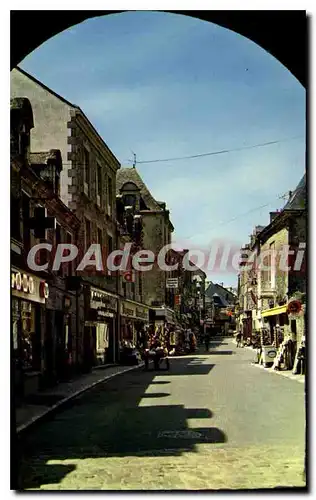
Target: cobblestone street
214 421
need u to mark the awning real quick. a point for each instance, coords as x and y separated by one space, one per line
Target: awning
274 311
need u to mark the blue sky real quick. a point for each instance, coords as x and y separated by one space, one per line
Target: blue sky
167 85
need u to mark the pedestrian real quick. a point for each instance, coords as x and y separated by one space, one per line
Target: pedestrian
238 339
207 340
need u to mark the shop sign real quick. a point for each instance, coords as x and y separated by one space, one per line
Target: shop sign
44 289
294 307
134 311
177 300
22 282
102 300
172 283
127 310
129 277
142 313
67 302
28 287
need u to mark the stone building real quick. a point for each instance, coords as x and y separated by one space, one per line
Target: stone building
220 308
156 233
286 277
133 311
188 298
277 273
248 306
88 188
43 309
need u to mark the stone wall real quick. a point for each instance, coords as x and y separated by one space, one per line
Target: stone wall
51 115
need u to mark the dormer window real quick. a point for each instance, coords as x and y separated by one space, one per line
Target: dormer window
130 193
130 200
24 142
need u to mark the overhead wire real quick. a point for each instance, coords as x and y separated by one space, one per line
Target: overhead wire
223 151
201 155
244 214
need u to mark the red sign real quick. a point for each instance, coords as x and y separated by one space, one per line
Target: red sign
44 289
177 300
129 277
294 307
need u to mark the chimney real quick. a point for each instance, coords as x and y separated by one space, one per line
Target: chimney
273 215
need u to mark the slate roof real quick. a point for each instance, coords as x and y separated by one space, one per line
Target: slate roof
42 158
298 198
125 175
217 290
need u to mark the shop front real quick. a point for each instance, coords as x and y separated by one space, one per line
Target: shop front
275 321
134 320
60 333
29 296
100 328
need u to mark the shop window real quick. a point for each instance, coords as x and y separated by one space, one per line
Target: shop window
15 322
102 336
28 337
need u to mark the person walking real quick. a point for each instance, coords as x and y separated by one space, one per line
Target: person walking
207 340
238 339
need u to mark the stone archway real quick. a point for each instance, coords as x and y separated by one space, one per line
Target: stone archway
281 33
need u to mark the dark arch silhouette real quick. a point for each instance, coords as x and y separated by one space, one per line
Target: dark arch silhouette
282 33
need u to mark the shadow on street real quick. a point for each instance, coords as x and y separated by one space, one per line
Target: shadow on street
108 421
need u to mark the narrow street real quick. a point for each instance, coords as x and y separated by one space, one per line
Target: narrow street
215 421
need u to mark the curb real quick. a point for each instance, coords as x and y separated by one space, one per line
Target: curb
279 372
53 409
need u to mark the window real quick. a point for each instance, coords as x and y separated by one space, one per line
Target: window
100 240
271 265
25 218
110 196
70 264
140 285
133 290
87 234
15 218
24 143
99 183
102 337
124 288
130 200
86 170
100 236
110 244
57 242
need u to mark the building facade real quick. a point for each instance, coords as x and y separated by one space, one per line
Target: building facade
139 207
87 187
43 309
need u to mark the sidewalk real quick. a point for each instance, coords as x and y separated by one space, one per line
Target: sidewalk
28 414
286 373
